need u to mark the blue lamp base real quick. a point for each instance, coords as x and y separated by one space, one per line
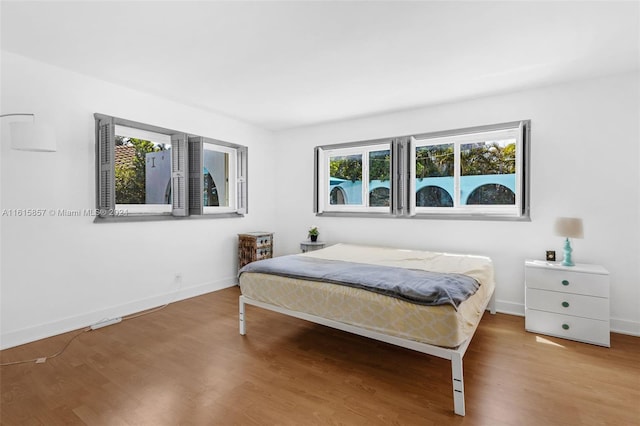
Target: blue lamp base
567 254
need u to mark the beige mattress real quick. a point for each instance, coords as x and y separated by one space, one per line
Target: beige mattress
437 325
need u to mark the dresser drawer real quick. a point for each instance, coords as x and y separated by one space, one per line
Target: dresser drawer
567 303
264 252
263 241
568 327
567 281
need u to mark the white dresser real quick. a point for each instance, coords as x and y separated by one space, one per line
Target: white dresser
569 302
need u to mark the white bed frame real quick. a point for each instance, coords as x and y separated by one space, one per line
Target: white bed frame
454 355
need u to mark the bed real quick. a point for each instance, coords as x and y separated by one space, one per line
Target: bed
443 330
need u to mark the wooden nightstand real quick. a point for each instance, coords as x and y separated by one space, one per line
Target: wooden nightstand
571 302
254 246
306 246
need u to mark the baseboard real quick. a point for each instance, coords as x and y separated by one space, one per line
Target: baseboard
31 334
631 328
510 308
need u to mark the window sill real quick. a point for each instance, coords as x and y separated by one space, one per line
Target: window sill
162 217
356 214
471 216
429 216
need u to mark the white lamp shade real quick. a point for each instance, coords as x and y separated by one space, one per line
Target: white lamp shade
32 136
570 227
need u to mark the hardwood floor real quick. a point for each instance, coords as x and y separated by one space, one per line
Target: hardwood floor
187 365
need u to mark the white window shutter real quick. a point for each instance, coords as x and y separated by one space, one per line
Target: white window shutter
179 174
242 171
196 178
106 190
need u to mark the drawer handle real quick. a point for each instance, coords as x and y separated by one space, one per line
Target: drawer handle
565 304
565 326
565 282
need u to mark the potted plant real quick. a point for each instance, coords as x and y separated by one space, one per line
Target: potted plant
313 233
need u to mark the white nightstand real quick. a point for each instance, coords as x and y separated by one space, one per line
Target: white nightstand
569 302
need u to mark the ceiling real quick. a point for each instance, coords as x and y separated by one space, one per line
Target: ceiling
287 64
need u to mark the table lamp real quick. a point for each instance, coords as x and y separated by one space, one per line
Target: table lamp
568 227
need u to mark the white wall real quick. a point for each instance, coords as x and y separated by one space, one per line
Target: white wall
63 273
584 158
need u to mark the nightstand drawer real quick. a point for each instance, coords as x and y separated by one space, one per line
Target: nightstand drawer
567 281
264 241
567 303
568 327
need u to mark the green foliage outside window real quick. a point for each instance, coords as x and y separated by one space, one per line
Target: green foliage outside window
350 167
475 159
434 161
130 171
379 165
487 159
347 167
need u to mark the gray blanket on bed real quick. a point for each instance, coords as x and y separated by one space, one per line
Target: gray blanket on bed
411 285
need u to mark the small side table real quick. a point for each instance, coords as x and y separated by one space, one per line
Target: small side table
306 246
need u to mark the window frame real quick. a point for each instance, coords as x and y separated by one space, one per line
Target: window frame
458 140
185 150
403 171
324 154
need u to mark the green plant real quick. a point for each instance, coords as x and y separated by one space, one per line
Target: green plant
313 231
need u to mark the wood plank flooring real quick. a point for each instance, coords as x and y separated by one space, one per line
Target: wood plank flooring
187 365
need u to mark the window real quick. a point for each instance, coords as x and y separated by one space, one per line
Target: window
479 172
144 170
357 178
475 173
218 164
